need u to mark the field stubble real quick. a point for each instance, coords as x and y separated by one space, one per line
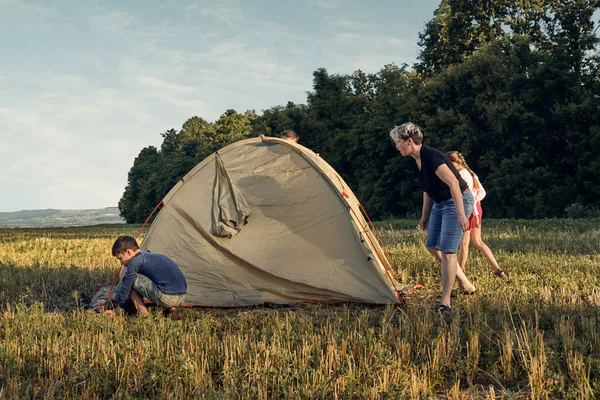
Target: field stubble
536 335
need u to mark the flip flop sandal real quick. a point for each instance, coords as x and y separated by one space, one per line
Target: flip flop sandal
454 293
442 308
500 274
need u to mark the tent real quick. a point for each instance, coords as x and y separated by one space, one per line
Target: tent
270 222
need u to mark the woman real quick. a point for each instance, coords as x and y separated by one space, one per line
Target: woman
446 203
474 231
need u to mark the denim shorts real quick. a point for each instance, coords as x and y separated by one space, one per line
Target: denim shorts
444 232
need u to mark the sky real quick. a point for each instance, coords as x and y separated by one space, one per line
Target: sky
85 85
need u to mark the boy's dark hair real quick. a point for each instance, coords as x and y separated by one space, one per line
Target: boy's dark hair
124 243
289 134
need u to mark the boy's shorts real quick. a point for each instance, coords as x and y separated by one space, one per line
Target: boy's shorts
147 289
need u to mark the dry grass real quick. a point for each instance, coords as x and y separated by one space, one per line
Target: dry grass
534 336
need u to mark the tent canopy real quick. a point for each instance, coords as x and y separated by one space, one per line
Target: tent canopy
260 222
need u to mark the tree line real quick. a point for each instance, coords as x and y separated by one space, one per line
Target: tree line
512 84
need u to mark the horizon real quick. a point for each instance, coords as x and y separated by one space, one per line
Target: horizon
57 209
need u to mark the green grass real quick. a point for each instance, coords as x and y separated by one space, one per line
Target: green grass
536 335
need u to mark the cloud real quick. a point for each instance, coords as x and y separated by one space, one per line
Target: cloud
114 21
233 66
43 151
68 130
81 132
374 41
73 119
132 30
326 4
158 84
72 125
350 24
369 52
219 62
69 193
35 11
229 16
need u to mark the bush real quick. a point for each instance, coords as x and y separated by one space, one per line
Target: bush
578 210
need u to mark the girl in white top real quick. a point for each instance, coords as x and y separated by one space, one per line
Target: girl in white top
475 219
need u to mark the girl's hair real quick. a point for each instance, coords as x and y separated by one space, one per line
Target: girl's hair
405 131
458 158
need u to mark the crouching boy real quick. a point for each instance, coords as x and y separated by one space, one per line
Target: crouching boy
146 275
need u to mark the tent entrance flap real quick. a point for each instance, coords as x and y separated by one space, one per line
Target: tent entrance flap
230 209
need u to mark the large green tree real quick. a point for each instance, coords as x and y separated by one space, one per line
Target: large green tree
155 172
143 167
461 27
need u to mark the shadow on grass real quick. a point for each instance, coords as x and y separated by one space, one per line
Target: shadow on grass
58 288
543 237
52 286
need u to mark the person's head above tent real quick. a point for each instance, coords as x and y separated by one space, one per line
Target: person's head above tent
286 134
290 135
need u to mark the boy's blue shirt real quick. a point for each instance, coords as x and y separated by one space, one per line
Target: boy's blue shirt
160 269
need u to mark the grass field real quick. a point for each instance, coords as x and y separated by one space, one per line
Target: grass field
536 335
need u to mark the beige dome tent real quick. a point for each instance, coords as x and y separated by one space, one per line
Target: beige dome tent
269 222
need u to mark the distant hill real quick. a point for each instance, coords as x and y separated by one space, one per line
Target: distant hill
52 217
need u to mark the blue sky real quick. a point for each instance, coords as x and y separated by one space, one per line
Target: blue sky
85 85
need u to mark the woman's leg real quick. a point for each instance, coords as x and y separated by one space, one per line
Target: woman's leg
449 267
437 254
464 249
484 249
451 272
433 240
464 284
450 238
